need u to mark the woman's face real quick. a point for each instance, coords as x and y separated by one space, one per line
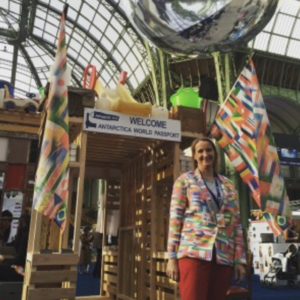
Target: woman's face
204 155
5 223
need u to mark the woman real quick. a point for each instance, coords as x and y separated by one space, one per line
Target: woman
205 242
12 269
86 254
5 227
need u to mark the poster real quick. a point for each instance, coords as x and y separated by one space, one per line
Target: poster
13 202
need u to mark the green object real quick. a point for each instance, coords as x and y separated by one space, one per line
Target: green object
186 97
42 91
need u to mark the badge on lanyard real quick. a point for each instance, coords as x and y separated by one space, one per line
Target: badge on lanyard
220 220
216 198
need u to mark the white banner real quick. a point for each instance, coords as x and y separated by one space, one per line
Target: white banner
115 123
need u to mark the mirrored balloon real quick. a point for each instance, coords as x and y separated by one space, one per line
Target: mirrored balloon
199 27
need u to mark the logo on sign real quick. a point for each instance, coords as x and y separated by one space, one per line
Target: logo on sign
106 117
90 117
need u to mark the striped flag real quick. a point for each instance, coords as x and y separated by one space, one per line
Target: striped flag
52 178
242 129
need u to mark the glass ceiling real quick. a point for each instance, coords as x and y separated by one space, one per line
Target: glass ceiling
282 34
98 33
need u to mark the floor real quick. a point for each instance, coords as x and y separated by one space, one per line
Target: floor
87 285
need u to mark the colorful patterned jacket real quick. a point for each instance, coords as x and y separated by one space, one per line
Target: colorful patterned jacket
193 229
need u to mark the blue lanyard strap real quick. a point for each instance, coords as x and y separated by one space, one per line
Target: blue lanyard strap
217 199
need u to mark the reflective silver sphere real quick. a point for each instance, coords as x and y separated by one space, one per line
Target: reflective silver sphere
199 27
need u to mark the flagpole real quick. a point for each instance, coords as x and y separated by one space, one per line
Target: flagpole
227 74
65 11
216 56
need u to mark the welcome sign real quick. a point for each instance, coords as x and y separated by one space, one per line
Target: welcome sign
115 123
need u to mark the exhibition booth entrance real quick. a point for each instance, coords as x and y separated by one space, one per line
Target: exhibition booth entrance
137 159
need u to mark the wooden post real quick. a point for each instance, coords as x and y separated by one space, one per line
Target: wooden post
65 238
104 228
142 274
80 188
32 248
176 158
176 173
153 228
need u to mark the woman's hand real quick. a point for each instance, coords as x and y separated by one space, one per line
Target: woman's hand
172 269
239 273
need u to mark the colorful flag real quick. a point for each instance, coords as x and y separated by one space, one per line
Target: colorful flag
52 178
242 129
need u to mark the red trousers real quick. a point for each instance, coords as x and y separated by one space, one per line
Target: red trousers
203 280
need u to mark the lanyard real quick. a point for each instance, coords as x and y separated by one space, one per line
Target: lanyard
217 199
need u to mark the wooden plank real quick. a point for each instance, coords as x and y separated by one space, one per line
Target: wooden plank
111 269
19 128
75 120
109 288
165 295
110 252
110 278
63 259
104 221
124 297
65 238
161 255
32 119
176 167
93 298
82 144
53 276
153 225
74 164
194 135
144 225
51 293
34 232
110 259
164 282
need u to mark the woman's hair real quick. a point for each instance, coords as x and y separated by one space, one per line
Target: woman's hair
23 229
204 139
7 214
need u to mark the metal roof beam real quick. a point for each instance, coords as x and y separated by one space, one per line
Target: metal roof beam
49 47
32 16
23 33
23 24
31 65
14 65
47 6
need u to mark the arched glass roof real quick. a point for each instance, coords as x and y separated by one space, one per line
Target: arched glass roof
282 34
97 33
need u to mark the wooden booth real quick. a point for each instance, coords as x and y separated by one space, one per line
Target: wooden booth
139 173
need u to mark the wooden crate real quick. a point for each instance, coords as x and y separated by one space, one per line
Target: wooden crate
110 274
192 119
52 276
79 99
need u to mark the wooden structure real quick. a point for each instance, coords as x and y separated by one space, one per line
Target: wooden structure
20 131
136 270
139 174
